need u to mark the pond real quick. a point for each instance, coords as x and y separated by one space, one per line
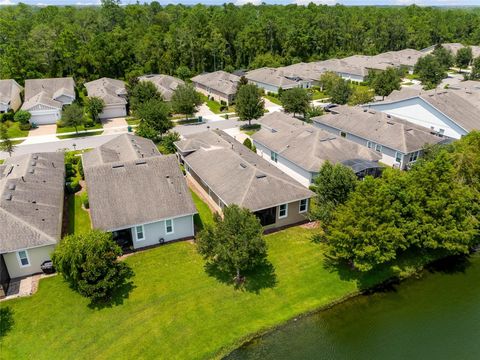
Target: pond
435 317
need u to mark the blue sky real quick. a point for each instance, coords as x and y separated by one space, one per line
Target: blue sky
301 2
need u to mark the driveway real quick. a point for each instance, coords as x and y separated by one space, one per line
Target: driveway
42 134
114 125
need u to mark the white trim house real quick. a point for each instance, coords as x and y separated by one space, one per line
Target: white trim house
10 98
114 96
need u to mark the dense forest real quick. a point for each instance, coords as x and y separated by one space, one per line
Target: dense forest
126 41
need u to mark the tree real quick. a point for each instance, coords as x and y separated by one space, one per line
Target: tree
296 100
332 186
22 116
243 81
464 57
154 118
142 92
384 82
168 142
89 263
475 73
183 72
327 79
429 71
185 100
73 115
6 144
361 95
340 92
249 103
235 243
248 143
94 106
444 56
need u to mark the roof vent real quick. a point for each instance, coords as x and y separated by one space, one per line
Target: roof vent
31 170
33 163
260 176
35 157
117 166
140 162
390 123
388 116
8 197
243 165
11 187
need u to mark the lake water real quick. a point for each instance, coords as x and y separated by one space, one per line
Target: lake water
435 317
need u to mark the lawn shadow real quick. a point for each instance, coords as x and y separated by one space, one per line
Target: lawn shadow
197 220
261 277
450 265
6 320
119 295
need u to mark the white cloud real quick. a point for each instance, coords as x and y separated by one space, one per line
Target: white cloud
7 2
87 3
41 4
244 2
318 2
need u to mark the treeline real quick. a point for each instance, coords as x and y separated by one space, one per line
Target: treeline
433 210
125 41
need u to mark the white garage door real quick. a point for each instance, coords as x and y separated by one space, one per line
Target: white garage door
44 118
113 112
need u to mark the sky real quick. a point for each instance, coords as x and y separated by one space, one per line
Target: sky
241 2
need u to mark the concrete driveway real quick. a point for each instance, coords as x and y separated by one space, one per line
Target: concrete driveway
43 133
114 126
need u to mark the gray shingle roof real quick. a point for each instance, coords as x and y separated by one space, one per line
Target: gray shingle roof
273 76
31 200
236 174
306 145
9 89
450 102
165 84
380 128
111 91
220 81
126 189
46 91
405 57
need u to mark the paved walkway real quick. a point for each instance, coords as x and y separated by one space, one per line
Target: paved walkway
237 134
24 286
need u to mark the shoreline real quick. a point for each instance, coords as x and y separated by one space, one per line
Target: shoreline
226 351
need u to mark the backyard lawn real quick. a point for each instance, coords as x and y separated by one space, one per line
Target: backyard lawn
78 219
204 215
273 99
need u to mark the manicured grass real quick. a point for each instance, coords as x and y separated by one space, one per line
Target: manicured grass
204 215
66 129
14 131
132 121
80 134
175 309
78 218
273 99
214 106
317 94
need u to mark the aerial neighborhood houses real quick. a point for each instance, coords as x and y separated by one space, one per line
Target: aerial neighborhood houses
31 207
10 98
226 173
165 84
273 79
45 98
453 48
219 85
300 149
114 96
137 193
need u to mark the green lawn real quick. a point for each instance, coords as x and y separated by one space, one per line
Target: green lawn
65 129
317 94
204 215
13 129
132 121
214 106
78 219
80 134
273 99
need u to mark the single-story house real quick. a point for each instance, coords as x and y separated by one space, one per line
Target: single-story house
31 208
454 47
137 193
114 96
272 79
230 173
300 149
10 98
442 111
220 85
45 98
165 84
399 142
402 58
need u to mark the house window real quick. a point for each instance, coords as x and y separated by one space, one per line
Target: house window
414 156
398 157
273 156
378 148
283 211
343 134
169 226
140 233
23 258
303 207
369 144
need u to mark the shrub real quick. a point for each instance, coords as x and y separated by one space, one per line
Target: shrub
25 127
89 123
80 170
60 124
85 202
73 186
23 117
8 116
71 158
223 102
248 143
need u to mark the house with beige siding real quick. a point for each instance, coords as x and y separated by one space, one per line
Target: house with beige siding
10 98
114 96
138 194
274 79
31 208
219 85
300 149
165 84
226 172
